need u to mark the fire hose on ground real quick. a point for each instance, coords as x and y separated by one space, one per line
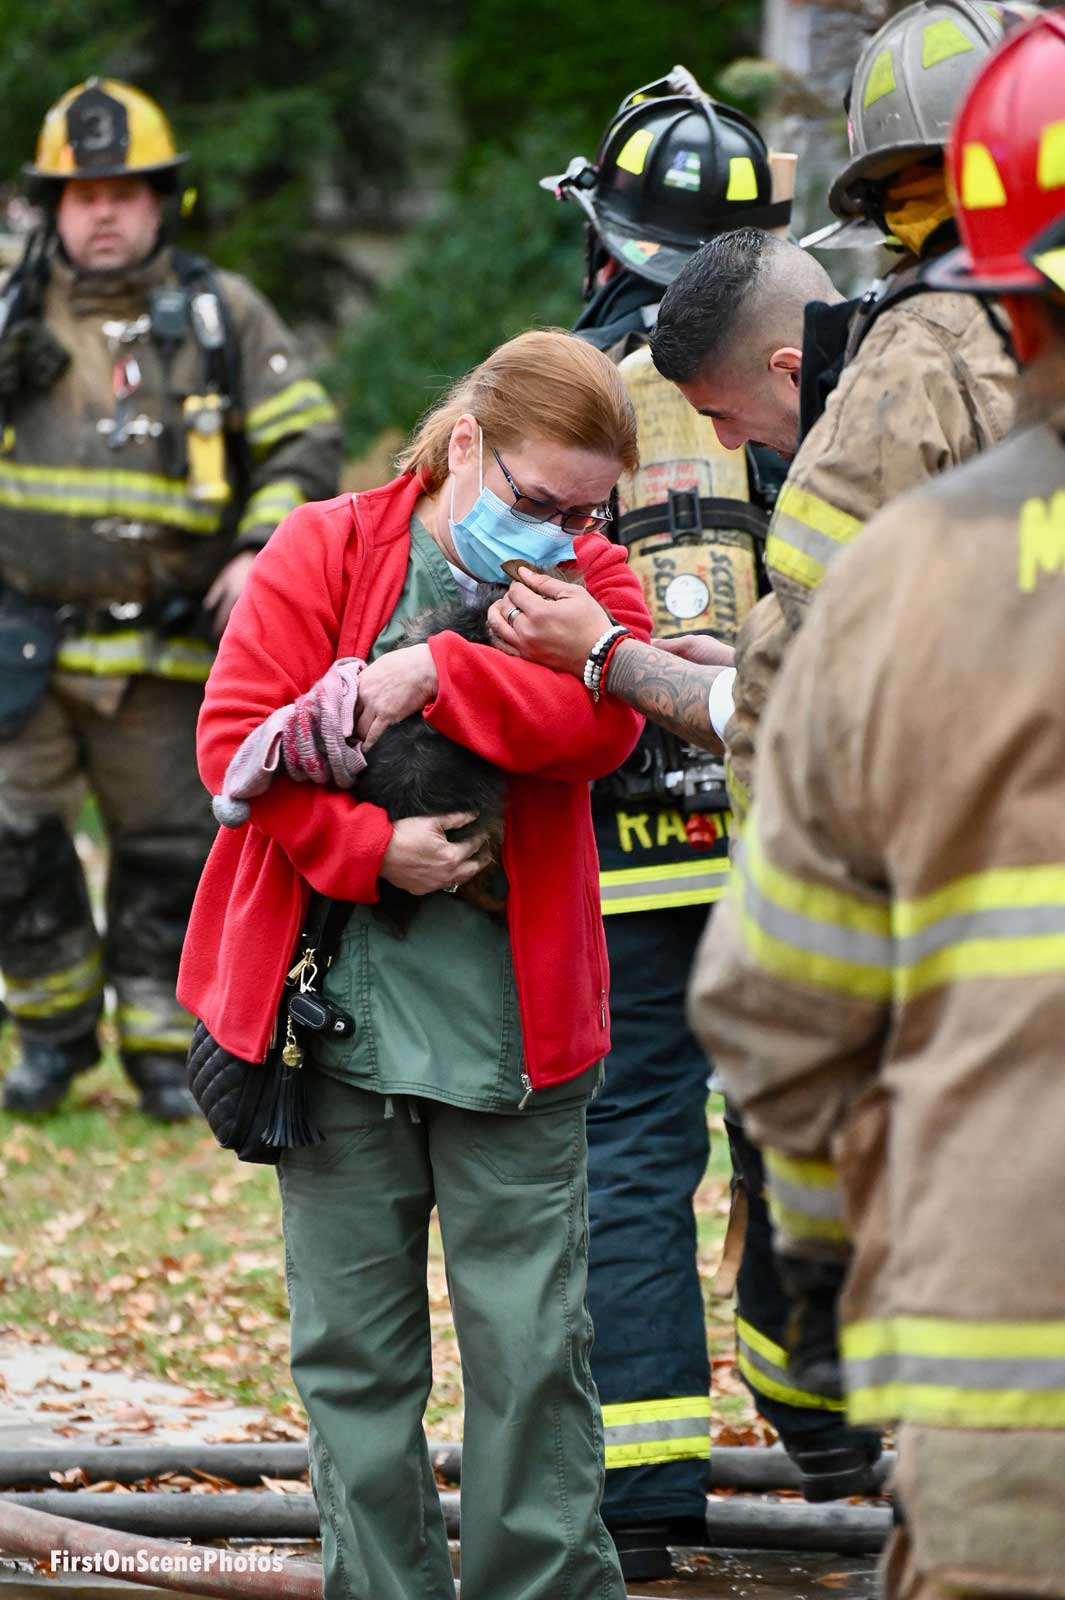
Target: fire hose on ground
37 1534
82 1522
732 1524
731 1467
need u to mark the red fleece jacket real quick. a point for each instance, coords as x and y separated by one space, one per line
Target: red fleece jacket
324 587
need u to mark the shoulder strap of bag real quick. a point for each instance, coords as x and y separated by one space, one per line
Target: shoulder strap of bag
323 925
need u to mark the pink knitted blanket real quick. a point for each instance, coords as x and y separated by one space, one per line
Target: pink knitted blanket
310 737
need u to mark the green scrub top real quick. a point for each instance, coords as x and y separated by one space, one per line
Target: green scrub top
436 1012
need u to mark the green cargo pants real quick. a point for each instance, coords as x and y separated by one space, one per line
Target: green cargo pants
511 1192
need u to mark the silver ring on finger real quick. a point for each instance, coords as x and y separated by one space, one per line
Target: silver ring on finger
515 611
452 888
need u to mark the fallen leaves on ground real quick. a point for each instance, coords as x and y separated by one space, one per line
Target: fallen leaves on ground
147 1251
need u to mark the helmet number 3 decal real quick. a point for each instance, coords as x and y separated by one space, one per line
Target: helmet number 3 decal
98 129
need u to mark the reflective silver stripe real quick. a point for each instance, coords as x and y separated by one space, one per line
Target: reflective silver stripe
779 1382
1003 922
56 992
86 493
823 1203
641 1432
964 1372
811 933
800 536
682 883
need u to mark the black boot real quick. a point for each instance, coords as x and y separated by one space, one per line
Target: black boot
644 1547
165 1095
841 1464
43 1072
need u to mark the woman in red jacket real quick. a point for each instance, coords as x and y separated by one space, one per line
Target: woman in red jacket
477 1040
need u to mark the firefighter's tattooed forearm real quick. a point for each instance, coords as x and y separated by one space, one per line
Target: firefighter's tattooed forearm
668 690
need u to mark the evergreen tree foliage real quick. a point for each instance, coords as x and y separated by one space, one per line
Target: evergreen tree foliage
501 256
279 103
536 83
550 61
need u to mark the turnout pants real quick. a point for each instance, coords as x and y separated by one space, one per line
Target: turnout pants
512 1201
647 1153
804 1418
132 744
981 1515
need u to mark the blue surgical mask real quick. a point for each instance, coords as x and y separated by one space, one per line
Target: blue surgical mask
490 534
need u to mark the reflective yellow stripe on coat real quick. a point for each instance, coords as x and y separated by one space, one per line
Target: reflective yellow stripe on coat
644 1433
98 492
947 1373
817 936
739 796
293 410
806 534
1003 923
134 651
268 506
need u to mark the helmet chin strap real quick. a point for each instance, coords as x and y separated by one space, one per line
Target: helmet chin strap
595 258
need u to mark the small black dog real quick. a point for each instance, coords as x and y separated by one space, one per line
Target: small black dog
414 771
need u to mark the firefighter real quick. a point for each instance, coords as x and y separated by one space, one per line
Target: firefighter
673 169
157 423
937 363
884 997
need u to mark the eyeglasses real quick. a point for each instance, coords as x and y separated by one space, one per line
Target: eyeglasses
531 510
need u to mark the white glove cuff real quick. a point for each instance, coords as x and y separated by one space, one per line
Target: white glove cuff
720 702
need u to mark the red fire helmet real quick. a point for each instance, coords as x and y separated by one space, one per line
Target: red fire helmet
1006 163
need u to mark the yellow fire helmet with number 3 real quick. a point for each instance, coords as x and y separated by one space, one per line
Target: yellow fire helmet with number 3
104 129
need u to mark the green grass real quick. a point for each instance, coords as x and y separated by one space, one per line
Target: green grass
143 1246
147 1249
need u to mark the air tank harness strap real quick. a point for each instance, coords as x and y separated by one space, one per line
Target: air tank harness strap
686 516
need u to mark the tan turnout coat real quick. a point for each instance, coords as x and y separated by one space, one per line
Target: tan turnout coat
884 994
929 386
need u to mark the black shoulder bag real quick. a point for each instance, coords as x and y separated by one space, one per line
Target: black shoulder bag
258 1108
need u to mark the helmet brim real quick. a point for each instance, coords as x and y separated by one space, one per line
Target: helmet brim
1045 254
857 233
153 169
652 259
845 197
955 273
661 260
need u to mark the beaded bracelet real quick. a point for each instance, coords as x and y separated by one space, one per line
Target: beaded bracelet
608 658
597 656
592 662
